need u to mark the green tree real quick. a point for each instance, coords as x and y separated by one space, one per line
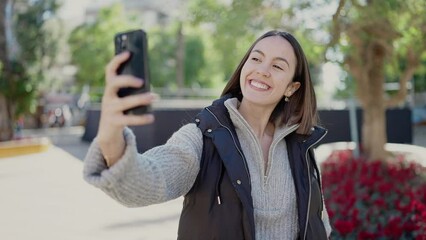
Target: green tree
21 72
194 63
234 25
163 58
162 62
92 45
379 39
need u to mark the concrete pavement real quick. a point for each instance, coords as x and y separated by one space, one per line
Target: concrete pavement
44 197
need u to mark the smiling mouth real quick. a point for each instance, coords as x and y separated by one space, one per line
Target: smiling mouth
259 85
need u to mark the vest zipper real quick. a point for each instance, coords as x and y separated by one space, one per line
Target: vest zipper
271 150
235 143
309 179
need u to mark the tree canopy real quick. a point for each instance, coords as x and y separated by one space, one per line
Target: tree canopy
22 71
92 44
379 40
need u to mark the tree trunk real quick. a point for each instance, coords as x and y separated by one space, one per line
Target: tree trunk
374 132
6 116
180 60
372 43
374 123
6 122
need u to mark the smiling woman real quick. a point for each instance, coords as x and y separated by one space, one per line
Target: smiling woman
245 166
267 75
294 74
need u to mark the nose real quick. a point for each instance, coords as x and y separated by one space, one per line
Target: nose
263 70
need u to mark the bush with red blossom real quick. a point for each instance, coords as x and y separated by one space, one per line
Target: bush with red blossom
374 199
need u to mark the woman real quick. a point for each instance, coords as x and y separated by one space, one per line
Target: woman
245 166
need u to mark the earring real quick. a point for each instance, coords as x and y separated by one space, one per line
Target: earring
287 99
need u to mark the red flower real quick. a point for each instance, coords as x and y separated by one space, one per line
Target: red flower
365 235
423 237
344 227
385 187
375 199
380 203
393 227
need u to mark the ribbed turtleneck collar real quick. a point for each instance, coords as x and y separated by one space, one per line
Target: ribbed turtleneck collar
239 121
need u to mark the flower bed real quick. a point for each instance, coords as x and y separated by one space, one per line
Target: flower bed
374 199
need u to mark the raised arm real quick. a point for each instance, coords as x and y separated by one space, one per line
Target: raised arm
112 121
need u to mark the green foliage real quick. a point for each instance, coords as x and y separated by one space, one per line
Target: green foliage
409 19
163 58
37 50
36 41
233 27
345 90
194 62
18 86
92 44
420 80
411 25
216 35
92 48
406 18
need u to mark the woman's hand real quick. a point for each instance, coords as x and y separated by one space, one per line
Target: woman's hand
113 120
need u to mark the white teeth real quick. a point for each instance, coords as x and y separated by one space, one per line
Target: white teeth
259 85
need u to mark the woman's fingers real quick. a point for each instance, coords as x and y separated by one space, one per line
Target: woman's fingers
117 120
112 66
113 81
113 108
112 116
121 81
121 104
134 120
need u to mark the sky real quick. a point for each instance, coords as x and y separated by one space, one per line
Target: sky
72 11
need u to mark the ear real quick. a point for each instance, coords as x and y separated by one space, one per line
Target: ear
291 88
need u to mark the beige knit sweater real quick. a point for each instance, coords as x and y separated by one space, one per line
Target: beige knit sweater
169 171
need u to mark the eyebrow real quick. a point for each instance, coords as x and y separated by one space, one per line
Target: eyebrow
277 58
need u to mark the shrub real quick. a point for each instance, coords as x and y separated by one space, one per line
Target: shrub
374 199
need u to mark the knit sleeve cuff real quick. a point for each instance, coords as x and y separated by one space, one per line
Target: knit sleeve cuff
96 171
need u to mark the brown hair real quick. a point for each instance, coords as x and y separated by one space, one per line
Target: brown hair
302 107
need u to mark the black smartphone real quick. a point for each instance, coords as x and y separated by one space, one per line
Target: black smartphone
134 41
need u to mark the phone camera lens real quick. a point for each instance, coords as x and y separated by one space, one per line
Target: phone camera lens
123 42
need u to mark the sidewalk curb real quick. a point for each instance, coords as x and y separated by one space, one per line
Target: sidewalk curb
24 146
412 152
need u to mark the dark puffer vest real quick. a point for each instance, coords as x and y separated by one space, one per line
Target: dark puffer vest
220 206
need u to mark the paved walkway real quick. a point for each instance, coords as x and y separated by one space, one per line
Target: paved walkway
43 197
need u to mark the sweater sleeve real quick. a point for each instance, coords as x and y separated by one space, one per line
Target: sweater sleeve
326 221
160 174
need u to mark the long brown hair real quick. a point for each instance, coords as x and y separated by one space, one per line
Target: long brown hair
302 107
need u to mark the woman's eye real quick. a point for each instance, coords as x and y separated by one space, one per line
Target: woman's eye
255 59
278 67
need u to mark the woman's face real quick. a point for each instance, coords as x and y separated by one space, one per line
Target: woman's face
266 76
